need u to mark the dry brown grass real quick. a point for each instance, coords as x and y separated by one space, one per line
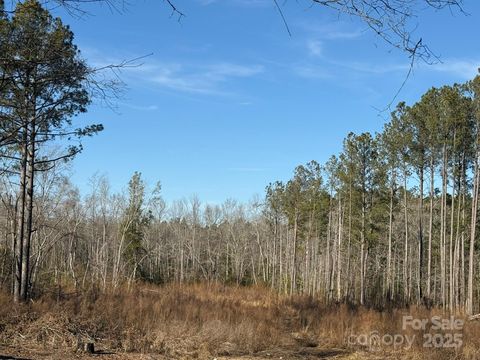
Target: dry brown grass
206 320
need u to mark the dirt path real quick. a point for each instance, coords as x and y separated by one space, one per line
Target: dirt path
274 354
281 354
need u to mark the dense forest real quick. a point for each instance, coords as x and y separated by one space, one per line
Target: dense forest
392 219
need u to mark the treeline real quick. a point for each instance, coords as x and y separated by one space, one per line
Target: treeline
390 220
393 217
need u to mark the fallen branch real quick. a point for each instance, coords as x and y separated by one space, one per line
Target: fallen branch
151 290
474 317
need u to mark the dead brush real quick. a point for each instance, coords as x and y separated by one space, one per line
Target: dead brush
203 320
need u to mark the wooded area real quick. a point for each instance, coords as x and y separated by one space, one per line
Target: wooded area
392 219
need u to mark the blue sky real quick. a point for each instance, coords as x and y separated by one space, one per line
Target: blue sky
228 102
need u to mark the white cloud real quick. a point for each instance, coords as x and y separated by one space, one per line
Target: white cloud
343 34
139 107
333 68
206 79
332 30
315 47
463 68
212 78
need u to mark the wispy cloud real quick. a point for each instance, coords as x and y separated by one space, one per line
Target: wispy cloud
331 30
195 77
460 69
315 47
205 79
463 68
139 107
333 69
343 34
215 78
